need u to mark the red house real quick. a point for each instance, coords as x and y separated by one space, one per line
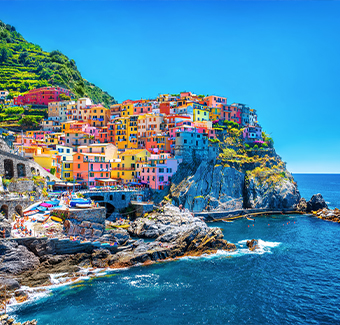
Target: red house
41 96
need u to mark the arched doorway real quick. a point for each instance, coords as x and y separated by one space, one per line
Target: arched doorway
109 208
4 210
9 169
21 169
18 210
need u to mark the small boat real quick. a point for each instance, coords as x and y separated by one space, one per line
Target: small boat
227 221
83 206
41 218
248 218
30 213
31 207
121 226
57 219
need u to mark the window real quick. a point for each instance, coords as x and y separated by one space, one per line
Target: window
107 174
161 170
68 150
78 157
123 173
66 175
133 158
161 178
78 166
91 174
67 165
185 141
101 174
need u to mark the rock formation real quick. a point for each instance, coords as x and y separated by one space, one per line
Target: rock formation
329 215
208 185
316 202
252 244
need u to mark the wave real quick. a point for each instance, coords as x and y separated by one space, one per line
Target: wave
242 249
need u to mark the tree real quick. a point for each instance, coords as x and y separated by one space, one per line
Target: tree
28 121
5 54
64 97
23 57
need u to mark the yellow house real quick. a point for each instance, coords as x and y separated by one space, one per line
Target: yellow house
129 164
132 132
215 113
64 168
99 116
121 132
46 158
200 114
127 110
52 138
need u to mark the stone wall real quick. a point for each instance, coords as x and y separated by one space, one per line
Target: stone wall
210 152
9 206
85 223
113 201
14 166
55 246
21 186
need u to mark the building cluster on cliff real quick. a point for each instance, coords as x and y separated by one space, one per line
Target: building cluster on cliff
133 142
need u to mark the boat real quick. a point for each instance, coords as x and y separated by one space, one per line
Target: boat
32 207
57 219
227 221
41 218
84 206
75 202
121 226
248 218
31 212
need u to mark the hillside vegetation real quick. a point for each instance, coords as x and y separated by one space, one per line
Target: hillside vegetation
24 66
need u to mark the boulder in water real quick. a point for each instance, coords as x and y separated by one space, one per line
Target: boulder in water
252 244
316 203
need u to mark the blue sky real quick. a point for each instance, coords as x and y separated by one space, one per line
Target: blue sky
279 57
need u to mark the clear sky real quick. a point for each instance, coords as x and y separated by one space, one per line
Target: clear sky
279 57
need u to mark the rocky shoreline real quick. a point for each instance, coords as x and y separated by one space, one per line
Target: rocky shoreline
176 233
171 233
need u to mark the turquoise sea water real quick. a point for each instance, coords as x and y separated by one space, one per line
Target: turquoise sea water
293 279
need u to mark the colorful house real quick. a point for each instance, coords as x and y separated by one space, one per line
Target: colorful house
158 171
128 166
41 96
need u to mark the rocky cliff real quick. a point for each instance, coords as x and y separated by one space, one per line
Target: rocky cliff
238 178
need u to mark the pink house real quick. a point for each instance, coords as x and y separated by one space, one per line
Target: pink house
252 134
159 170
41 96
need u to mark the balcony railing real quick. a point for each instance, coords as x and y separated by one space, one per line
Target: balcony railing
123 168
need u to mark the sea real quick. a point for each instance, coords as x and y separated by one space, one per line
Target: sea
294 278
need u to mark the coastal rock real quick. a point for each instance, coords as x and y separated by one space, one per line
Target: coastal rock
317 202
11 284
252 244
15 258
5 227
119 236
302 205
281 195
178 233
329 215
205 186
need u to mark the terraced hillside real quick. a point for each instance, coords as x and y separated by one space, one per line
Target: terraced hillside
24 66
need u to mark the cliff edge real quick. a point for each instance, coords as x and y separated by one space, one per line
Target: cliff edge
240 177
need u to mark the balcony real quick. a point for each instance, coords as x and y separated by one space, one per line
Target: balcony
123 168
